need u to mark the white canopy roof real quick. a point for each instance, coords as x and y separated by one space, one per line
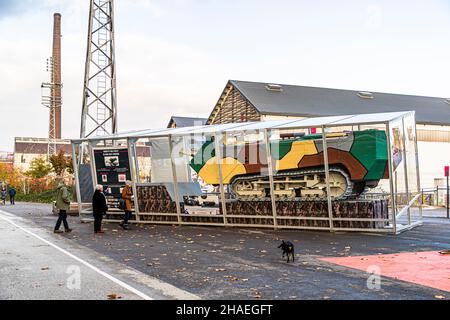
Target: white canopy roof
332 121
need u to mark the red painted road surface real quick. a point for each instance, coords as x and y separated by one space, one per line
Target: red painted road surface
428 268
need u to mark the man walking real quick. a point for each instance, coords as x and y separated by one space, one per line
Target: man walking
63 205
12 194
99 206
127 196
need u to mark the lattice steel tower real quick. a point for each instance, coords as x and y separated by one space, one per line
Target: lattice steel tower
99 112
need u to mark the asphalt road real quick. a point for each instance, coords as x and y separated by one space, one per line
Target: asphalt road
36 266
223 263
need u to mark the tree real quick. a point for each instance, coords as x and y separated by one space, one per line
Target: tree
39 168
69 168
60 163
10 175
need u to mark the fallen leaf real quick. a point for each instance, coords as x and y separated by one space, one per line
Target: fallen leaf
114 296
231 278
45 268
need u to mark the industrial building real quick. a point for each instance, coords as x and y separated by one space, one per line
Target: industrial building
28 149
243 101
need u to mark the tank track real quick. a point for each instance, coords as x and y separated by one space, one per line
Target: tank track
347 194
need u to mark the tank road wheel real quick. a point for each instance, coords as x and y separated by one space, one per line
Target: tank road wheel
291 194
338 184
246 190
306 184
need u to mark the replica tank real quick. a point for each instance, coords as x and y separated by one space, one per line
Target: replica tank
357 161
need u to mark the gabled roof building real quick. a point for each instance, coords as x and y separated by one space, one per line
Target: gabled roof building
243 101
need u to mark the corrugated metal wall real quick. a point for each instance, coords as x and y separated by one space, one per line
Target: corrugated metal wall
433 135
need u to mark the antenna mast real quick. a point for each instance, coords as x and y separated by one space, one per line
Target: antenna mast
99 110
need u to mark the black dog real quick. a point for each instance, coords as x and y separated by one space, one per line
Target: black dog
288 249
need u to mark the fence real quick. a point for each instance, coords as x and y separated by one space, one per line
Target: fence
435 196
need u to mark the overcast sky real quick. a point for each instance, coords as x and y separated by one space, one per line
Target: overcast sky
175 56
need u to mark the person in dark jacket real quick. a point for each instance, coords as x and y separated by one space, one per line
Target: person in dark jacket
12 194
63 205
99 206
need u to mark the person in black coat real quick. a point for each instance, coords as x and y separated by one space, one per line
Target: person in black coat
99 207
12 194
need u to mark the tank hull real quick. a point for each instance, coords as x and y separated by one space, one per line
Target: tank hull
361 156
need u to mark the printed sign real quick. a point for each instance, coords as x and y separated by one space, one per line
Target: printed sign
112 169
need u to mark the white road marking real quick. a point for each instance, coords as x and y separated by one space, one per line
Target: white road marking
87 264
8 214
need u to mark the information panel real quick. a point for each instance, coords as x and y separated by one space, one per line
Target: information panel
112 168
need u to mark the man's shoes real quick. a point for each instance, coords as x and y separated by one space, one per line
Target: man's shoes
58 231
100 232
68 230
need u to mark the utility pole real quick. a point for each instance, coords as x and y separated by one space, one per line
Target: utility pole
99 109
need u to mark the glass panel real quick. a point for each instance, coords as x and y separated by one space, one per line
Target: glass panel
410 150
357 164
246 178
312 122
157 196
85 178
198 185
299 178
144 160
372 118
398 159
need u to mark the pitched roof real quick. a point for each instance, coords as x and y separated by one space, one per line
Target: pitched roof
311 122
186 121
317 102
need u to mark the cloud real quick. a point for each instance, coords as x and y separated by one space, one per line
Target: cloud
174 57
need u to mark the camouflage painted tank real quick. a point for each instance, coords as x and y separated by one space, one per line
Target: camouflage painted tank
357 160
